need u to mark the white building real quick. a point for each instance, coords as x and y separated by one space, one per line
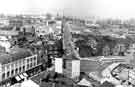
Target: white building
59 65
14 64
4 42
69 67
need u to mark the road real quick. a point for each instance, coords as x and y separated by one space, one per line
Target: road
68 44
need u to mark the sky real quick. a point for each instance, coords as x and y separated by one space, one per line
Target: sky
122 9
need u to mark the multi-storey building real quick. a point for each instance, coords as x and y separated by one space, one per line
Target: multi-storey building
14 66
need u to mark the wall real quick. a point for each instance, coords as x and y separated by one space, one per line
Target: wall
59 65
75 68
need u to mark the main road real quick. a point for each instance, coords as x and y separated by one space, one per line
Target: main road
68 44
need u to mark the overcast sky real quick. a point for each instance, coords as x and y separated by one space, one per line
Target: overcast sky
99 8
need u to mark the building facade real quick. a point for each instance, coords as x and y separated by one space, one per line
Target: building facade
15 68
68 67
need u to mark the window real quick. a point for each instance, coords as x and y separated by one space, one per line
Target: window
34 58
27 60
34 64
27 66
30 59
16 71
20 69
12 72
23 68
8 74
30 64
3 76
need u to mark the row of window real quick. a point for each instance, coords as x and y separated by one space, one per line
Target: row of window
17 70
33 59
13 65
13 72
29 66
13 69
17 64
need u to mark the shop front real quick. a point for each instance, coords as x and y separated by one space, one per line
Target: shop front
18 79
34 71
5 83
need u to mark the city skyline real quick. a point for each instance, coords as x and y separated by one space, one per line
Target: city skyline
122 9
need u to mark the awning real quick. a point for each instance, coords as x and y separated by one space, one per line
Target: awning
18 78
25 74
22 76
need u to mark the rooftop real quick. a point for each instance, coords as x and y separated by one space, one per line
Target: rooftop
8 30
14 55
